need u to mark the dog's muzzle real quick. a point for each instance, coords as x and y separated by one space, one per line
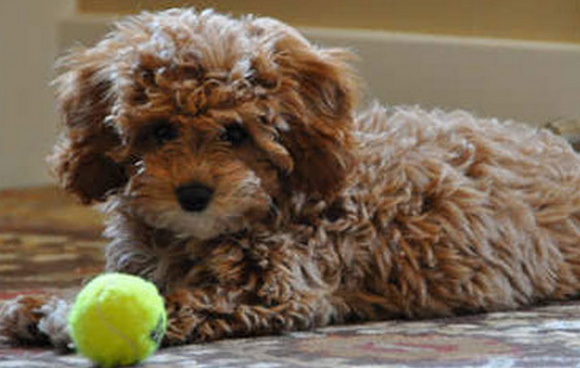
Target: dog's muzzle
193 197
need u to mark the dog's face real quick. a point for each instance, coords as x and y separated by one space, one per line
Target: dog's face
199 123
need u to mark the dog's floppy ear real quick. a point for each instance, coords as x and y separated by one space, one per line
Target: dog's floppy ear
81 159
319 125
317 93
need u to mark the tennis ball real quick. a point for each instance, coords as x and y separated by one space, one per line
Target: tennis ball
117 319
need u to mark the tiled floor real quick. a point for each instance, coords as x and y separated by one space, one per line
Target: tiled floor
48 244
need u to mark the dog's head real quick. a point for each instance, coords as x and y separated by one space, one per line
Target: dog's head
198 122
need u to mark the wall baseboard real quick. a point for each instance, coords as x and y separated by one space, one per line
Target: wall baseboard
535 82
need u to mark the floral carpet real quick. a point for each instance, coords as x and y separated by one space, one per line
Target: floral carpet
50 244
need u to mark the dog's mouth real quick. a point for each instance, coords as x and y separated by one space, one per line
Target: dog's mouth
197 209
215 220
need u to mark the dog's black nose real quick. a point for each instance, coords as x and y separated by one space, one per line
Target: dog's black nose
193 197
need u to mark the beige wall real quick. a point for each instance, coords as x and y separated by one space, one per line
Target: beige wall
547 20
28 122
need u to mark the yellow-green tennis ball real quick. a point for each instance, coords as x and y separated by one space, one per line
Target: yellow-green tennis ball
117 319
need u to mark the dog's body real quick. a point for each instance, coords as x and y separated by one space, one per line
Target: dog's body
237 179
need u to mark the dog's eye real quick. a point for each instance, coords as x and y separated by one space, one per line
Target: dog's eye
164 132
235 134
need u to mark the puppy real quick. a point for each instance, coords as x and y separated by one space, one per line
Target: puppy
237 177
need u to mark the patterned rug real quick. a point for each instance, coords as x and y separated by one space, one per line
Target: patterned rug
48 244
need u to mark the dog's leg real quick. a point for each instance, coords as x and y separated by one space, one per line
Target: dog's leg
35 320
196 315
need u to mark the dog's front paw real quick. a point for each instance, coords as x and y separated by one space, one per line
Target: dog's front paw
182 318
19 319
194 317
35 320
180 328
54 323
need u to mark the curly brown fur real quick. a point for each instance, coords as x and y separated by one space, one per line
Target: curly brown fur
314 217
